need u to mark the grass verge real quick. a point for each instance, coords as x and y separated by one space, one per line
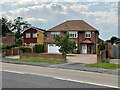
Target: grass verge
104 65
50 61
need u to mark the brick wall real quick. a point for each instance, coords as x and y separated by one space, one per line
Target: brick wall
45 55
8 39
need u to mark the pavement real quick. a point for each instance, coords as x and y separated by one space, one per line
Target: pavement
18 80
82 58
68 65
93 78
115 61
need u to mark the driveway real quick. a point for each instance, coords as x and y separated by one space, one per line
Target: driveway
82 58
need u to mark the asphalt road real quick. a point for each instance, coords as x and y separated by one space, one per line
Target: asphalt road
15 80
64 74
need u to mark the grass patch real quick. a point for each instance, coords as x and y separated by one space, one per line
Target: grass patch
50 61
104 65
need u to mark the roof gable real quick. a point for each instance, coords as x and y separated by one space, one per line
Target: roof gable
72 25
35 28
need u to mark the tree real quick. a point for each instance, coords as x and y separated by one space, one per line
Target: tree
19 25
19 41
5 26
112 40
66 46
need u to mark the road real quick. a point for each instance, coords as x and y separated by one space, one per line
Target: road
91 78
15 80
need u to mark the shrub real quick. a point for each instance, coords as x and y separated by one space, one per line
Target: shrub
39 48
25 49
4 47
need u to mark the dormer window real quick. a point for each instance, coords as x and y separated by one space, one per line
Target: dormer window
54 34
88 34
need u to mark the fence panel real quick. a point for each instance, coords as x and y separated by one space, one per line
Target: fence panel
116 51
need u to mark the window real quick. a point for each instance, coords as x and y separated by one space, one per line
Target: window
54 34
73 34
34 35
87 34
27 35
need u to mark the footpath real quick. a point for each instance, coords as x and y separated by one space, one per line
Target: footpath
67 65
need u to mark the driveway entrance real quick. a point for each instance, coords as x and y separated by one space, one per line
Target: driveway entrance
82 58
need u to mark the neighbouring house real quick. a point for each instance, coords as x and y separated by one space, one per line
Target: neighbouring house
33 35
84 35
8 39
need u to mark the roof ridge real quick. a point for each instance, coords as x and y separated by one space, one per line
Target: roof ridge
73 25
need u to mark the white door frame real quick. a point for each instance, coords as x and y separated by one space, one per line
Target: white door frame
84 48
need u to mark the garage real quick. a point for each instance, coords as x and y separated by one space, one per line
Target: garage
52 48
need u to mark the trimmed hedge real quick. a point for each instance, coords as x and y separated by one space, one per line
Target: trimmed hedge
39 48
25 49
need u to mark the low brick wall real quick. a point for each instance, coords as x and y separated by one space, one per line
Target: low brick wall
43 55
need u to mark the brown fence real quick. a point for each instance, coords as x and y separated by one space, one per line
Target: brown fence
11 52
43 55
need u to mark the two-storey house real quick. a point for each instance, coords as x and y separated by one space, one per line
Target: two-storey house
33 35
85 36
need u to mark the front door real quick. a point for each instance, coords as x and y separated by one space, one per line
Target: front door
84 48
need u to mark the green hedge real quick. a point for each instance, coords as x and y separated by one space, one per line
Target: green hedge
5 47
25 49
39 48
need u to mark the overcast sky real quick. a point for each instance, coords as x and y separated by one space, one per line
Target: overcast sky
46 14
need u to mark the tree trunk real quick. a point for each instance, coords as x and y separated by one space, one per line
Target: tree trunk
64 56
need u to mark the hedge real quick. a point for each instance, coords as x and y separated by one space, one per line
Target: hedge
39 48
25 49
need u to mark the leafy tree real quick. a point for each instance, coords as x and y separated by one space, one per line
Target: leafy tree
66 46
19 25
19 41
112 40
5 25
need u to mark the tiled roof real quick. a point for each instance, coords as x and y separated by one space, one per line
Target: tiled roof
48 40
72 25
32 27
87 41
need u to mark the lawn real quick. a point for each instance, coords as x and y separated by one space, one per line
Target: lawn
104 65
50 61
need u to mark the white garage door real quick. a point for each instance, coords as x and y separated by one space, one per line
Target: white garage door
52 48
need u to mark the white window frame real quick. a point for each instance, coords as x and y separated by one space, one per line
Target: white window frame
54 34
73 34
34 35
27 35
88 34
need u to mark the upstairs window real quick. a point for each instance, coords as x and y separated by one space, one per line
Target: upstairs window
73 34
54 34
87 34
34 35
27 35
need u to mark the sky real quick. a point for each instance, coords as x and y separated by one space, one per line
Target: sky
46 14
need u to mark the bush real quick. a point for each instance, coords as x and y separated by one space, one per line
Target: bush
25 49
4 47
106 61
39 48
